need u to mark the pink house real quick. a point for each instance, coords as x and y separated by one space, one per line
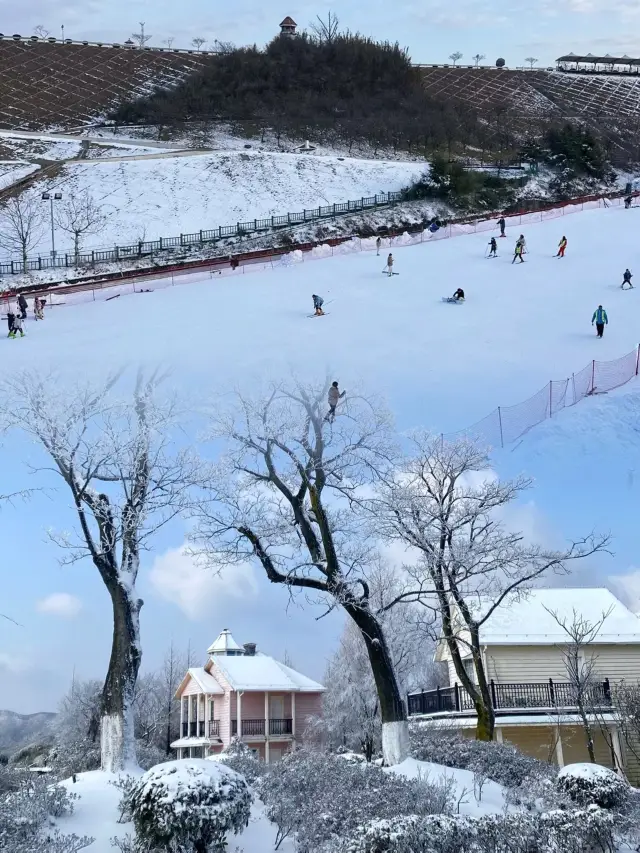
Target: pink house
240 691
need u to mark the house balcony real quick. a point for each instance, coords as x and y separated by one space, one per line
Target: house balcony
257 728
203 730
510 698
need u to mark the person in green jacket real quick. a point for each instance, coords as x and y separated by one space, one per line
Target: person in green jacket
600 319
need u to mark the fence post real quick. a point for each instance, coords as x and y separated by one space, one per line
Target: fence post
289 218
160 241
552 692
551 398
493 694
219 232
638 359
40 267
93 258
438 700
593 376
500 423
456 693
334 210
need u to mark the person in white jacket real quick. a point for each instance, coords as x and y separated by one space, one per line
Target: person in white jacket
335 395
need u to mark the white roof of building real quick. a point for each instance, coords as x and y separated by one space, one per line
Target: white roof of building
528 621
205 681
261 672
224 642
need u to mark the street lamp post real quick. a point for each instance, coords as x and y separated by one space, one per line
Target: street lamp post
51 197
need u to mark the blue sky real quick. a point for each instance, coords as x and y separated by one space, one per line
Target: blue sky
431 29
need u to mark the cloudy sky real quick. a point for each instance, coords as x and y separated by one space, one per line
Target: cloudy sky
431 29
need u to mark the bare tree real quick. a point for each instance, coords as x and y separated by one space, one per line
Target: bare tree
581 666
197 42
41 31
22 223
325 30
281 496
169 41
79 215
478 58
223 46
141 38
126 481
455 56
531 60
467 563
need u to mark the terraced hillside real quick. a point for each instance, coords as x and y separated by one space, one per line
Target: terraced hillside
537 92
47 85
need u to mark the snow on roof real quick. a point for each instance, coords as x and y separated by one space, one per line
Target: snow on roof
261 672
528 620
205 681
224 642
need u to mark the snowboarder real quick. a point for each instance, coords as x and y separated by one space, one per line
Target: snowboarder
378 244
318 301
334 397
389 267
518 252
562 245
17 326
600 319
11 318
627 202
458 296
493 251
22 305
626 279
503 225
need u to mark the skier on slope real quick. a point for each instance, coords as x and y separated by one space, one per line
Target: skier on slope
493 251
378 244
334 397
519 251
389 267
600 319
626 279
17 326
22 305
502 223
318 302
11 318
562 245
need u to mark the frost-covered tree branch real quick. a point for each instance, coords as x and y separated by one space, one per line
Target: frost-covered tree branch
282 496
443 504
126 480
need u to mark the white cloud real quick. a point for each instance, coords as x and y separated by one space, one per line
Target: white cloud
60 604
12 663
177 577
627 587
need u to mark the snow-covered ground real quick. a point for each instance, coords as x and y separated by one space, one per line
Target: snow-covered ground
172 194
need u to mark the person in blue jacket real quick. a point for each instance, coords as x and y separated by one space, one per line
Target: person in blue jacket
600 319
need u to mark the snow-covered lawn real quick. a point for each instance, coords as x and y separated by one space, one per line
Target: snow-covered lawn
152 198
10 172
490 801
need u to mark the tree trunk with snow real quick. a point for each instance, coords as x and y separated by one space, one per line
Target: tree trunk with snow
395 729
117 744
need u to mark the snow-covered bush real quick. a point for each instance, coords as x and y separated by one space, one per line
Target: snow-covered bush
239 757
192 804
25 816
592 784
499 762
552 832
322 798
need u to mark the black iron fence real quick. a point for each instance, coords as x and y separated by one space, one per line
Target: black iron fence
169 245
280 727
511 696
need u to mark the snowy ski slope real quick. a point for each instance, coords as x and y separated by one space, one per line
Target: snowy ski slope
437 365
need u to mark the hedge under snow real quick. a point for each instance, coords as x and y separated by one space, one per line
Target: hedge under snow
190 803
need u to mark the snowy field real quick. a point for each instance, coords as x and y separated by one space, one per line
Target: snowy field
168 194
437 365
